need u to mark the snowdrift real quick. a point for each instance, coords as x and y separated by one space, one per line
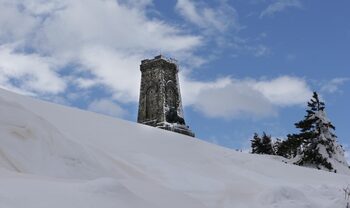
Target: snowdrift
56 156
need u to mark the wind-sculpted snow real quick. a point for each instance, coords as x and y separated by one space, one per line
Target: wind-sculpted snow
30 144
55 156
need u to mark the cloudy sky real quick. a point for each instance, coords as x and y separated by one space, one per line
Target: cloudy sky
246 65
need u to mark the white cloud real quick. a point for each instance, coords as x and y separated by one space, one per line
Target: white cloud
218 22
232 98
117 70
30 71
279 6
205 16
333 85
285 90
104 38
15 25
244 46
106 23
107 40
107 107
84 83
140 4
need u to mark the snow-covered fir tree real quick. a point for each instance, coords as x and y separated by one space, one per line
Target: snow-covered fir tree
318 142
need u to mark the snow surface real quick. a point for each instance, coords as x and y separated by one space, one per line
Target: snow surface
55 156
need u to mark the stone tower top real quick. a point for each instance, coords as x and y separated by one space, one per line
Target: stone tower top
159 61
171 60
160 99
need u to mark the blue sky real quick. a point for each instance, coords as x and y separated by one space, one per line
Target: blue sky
246 65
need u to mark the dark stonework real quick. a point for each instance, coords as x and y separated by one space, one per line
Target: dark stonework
160 99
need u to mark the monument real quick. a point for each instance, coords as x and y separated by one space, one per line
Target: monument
160 99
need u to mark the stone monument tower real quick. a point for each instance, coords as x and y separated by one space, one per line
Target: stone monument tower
160 99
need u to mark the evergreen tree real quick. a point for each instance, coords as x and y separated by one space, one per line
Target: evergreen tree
262 145
316 141
267 147
290 147
256 144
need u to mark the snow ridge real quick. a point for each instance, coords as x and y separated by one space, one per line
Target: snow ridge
55 156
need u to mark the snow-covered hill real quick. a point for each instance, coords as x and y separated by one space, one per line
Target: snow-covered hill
55 156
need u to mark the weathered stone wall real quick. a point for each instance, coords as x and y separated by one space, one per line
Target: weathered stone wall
159 91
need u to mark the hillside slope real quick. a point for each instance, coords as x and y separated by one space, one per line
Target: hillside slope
55 156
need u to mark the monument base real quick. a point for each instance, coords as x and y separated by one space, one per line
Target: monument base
178 128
